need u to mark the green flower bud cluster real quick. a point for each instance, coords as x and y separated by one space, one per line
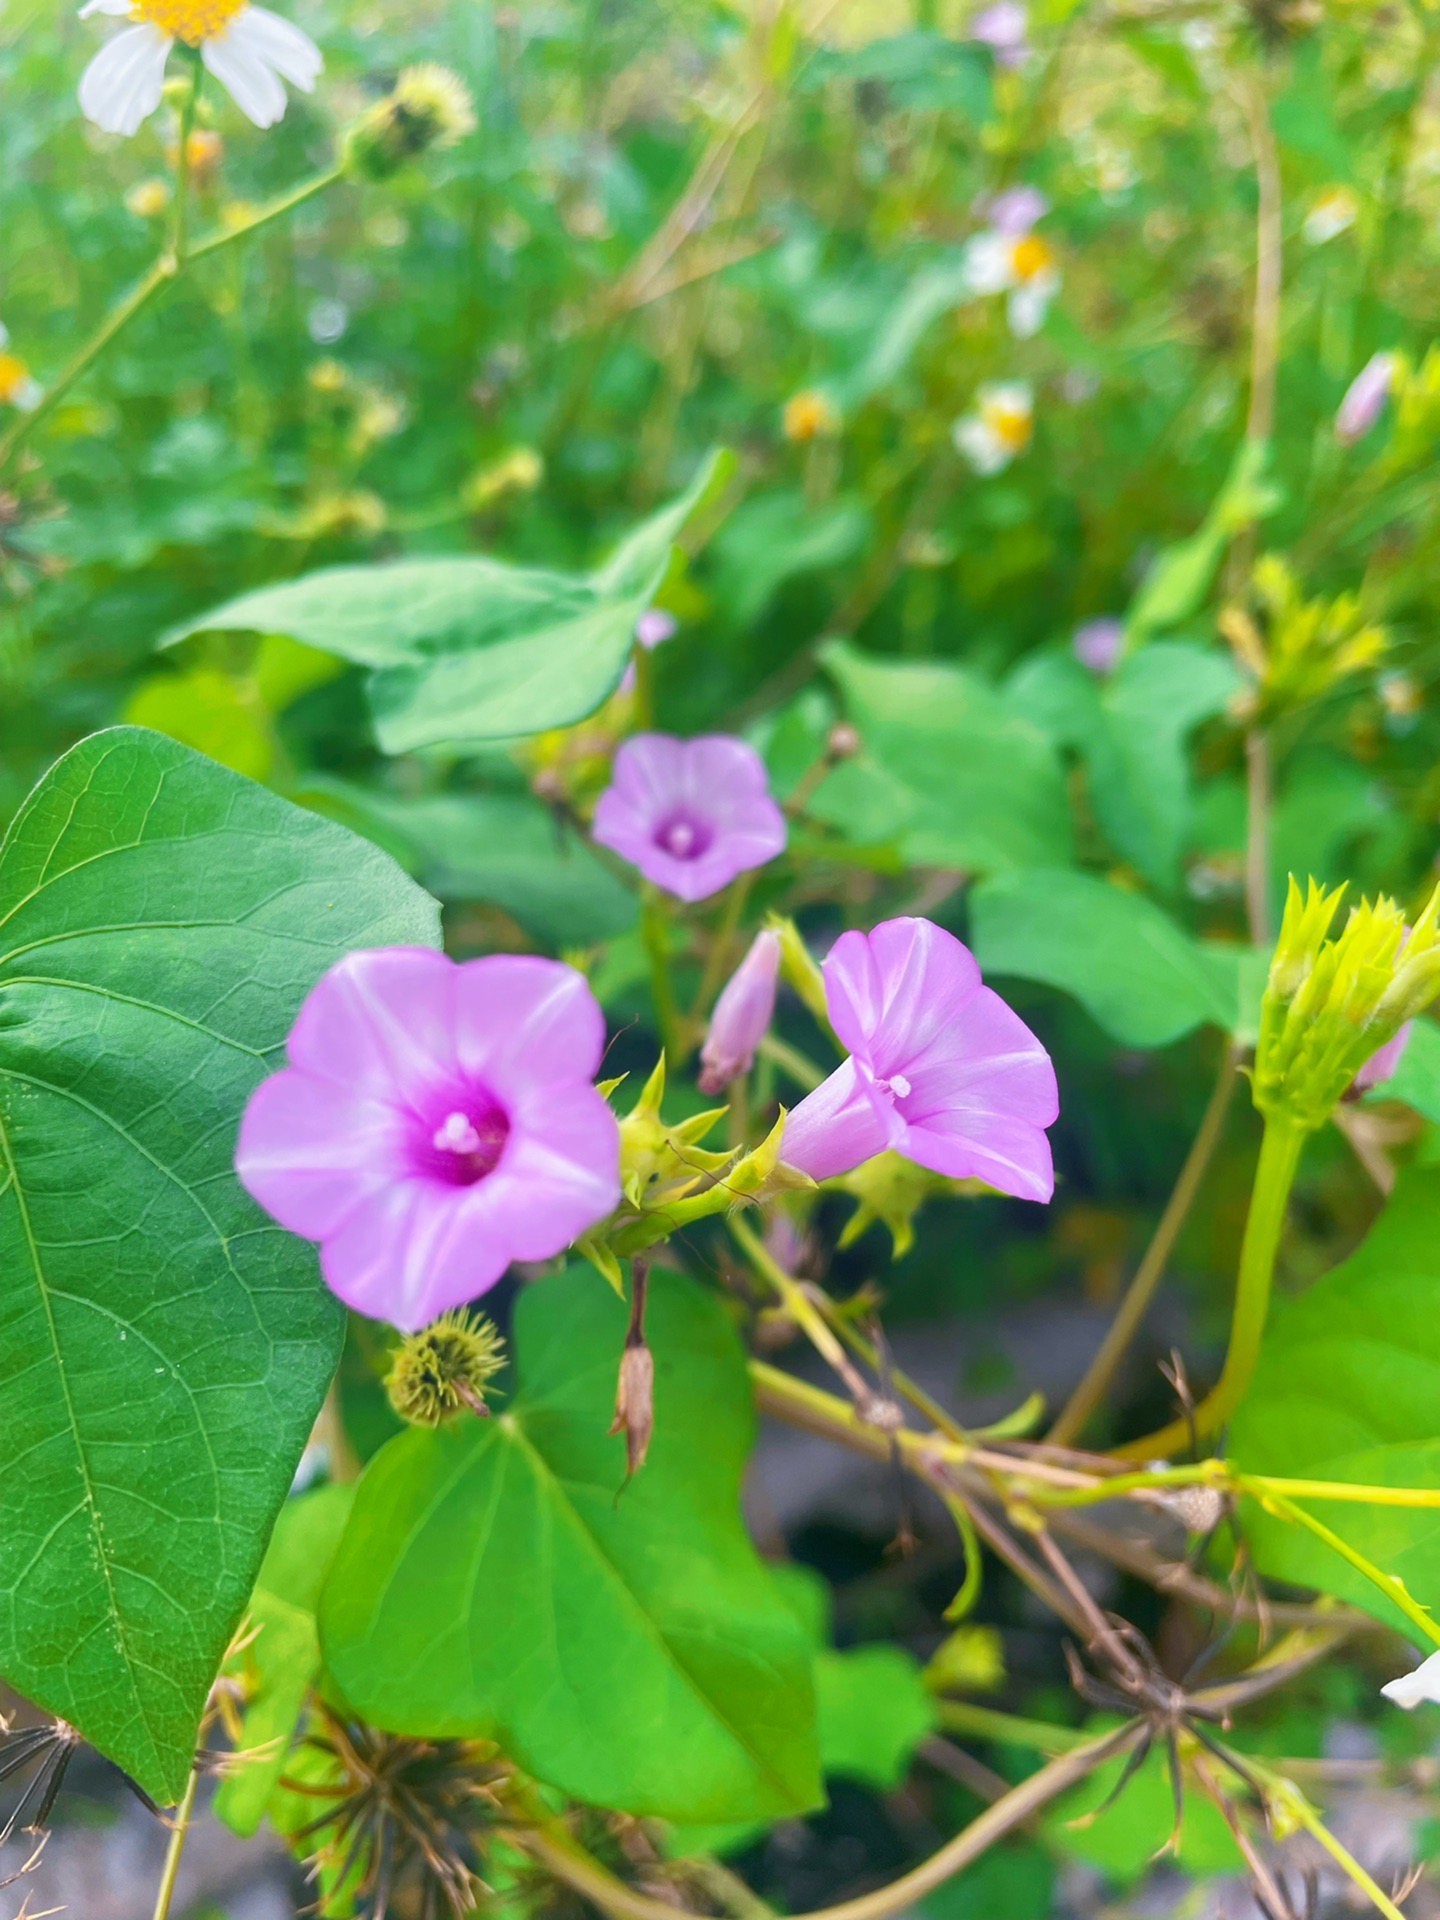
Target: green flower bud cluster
1331 1003
428 110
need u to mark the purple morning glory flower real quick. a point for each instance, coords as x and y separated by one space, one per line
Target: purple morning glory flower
1004 27
690 814
436 1121
742 1015
940 1069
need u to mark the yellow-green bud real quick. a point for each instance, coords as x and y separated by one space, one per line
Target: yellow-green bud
799 968
1332 1003
444 1368
429 109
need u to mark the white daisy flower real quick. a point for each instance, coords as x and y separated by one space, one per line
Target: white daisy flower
1411 1688
249 50
1019 264
999 428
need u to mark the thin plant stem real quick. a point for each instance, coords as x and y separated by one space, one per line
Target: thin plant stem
985 1723
1257 836
174 1852
563 1857
722 944
1274 1177
802 1310
791 1061
165 270
1095 1384
1394 1590
1287 1798
655 932
180 230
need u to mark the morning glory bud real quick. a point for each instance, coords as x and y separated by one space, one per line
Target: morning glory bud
742 1015
1364 399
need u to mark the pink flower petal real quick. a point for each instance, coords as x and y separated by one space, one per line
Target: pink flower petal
381 1023
520 1020
842 1123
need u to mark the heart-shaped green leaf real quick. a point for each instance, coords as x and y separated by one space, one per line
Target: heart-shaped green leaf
1348 1388
163 1348
466 648
626 1646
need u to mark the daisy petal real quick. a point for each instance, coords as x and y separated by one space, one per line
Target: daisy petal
122 85
278 44
252 84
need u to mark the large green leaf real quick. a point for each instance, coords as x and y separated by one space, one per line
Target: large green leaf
1137 973
628 1647
948 770
465 648
1348 1388
504 849
1131 731
163 1348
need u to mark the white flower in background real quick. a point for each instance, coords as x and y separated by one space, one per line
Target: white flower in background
1010 257
1005 29
999 428
18 386
1336 209
250 51
1413 1688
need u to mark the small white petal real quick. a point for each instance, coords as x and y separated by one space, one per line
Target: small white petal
251 83
981 445
117 7
990 263
123 83
1413 1688
1027 307
4 334
280 44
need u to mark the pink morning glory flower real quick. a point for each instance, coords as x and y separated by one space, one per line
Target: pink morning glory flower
436 1121
690 814
940 1069
742 1015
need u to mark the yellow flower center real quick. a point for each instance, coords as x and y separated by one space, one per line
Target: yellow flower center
14 377
193 21
1011 425
1031 257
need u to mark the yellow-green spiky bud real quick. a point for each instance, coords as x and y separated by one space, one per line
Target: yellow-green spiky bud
798 967
429 109
444 1368
1333 1002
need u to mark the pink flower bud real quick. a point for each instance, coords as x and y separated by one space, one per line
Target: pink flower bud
654 627
1005 27
1097 644
1364 399
742 1015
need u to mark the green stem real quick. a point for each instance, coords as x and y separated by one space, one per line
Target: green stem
655 932
802 1310
1269 1198
792 1062
1393 1589
180 229
179 1833
166 269
984 1723
561 1854
1102 1369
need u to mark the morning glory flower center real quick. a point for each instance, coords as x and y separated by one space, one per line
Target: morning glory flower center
467 1142
193 21
683 836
